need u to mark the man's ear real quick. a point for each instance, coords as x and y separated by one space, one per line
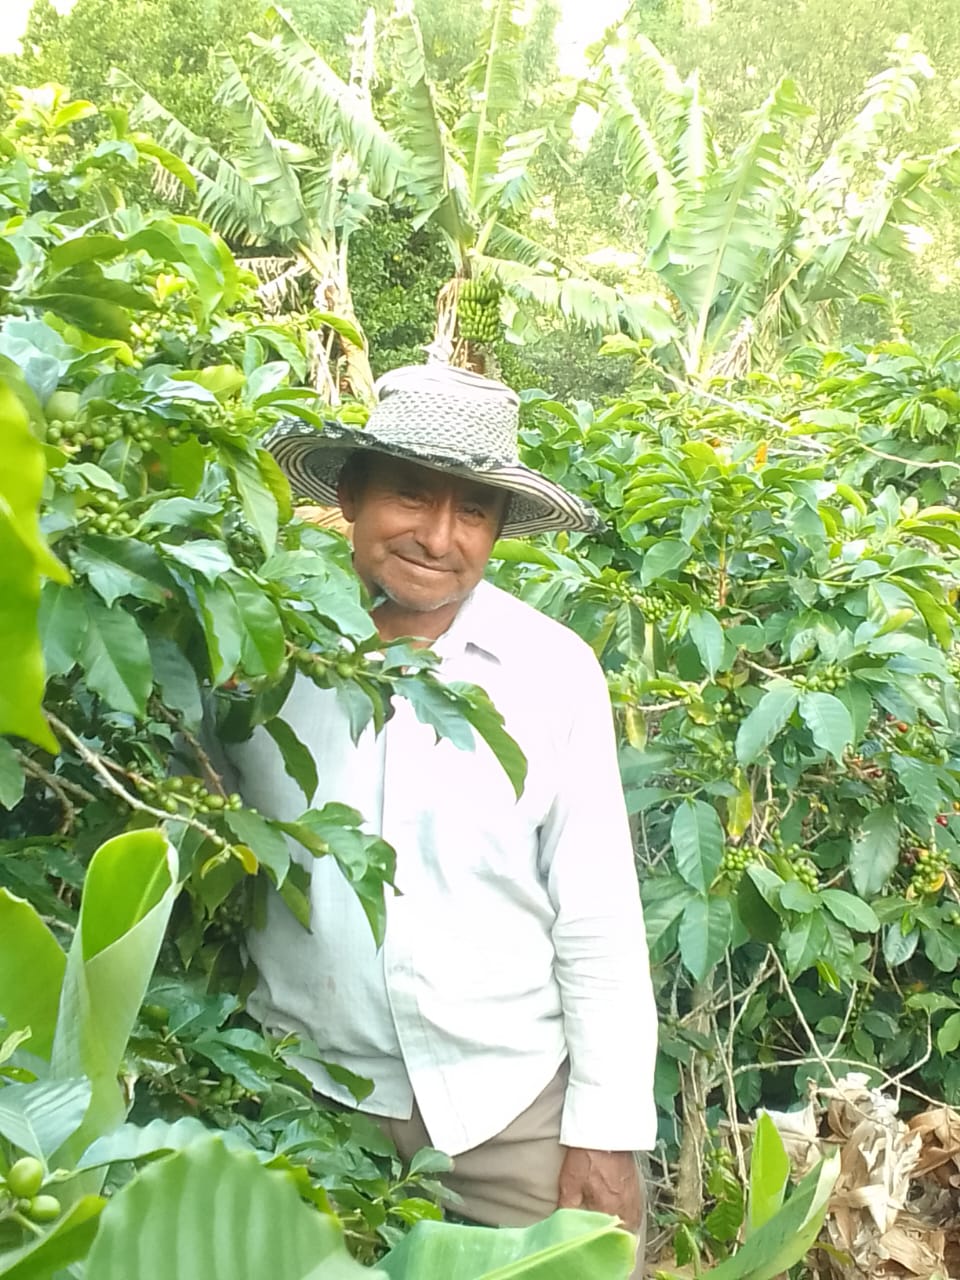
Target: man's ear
346 497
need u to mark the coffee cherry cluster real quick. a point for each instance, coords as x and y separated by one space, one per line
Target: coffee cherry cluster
729 712
804 868
175 794
244 547
929 867
866 768
716 1156
861 1003
918 740
714 757
828 679
85 435
151 334
104 513
20 1189
229 921
736 859
805 871
654 608
478 309
225 1092
209 1094
322 667
92 435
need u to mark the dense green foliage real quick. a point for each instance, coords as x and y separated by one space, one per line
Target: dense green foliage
774 599
191 600
136 345
781 643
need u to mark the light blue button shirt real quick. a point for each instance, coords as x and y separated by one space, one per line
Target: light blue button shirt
516 938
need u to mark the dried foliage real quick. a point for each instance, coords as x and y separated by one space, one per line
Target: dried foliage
895 1210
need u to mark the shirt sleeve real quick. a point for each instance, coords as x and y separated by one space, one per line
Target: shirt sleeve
602 967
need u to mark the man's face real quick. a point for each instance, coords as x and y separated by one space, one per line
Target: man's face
421 537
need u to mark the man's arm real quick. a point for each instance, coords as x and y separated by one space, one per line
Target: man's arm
601 961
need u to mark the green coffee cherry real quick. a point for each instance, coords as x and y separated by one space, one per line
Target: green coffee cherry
44 1209
25 1178
155 1015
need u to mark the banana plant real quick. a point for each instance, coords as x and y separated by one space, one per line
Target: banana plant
755 248
24 560
778 1230
233 1219
470 177
68 1019
272 194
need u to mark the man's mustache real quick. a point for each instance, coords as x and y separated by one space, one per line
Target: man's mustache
412 550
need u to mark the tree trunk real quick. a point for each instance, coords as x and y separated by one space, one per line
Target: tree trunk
689 1200
358 372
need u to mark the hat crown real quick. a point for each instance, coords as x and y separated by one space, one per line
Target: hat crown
447 411
442 418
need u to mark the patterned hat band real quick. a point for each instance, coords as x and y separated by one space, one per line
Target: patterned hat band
448 420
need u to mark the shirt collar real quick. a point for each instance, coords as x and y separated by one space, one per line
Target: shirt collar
474 627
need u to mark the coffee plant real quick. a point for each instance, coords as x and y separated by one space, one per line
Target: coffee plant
774 601
780 642
175 598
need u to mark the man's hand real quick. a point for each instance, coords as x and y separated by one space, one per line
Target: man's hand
605 1181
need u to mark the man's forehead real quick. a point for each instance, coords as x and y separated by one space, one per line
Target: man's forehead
392 470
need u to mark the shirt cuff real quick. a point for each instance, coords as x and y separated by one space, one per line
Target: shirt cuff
596 1119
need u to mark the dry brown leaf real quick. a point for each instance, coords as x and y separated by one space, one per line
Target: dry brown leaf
325 518
917 1249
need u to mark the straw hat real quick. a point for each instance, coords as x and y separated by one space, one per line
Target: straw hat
443 418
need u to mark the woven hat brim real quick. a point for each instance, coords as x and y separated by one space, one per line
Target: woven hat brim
312 461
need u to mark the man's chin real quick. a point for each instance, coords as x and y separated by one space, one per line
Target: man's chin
419 599
422 604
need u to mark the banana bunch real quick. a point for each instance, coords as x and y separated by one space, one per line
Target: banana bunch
478 309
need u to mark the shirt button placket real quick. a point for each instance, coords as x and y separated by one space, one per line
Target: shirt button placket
397 960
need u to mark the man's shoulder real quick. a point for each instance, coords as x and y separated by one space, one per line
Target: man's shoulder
518 631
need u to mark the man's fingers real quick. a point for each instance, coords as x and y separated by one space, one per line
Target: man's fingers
604 1182
571 1195
570 1188
571 1202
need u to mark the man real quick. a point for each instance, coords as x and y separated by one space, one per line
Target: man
508 1018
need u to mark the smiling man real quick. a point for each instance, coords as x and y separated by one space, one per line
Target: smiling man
508 1018
421 539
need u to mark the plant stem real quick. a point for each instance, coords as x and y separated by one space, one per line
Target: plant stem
99 765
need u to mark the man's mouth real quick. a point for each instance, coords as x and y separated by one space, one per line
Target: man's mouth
420 564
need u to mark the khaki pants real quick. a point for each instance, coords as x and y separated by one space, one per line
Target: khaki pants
510 1180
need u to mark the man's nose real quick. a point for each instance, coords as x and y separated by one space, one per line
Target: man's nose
436 530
